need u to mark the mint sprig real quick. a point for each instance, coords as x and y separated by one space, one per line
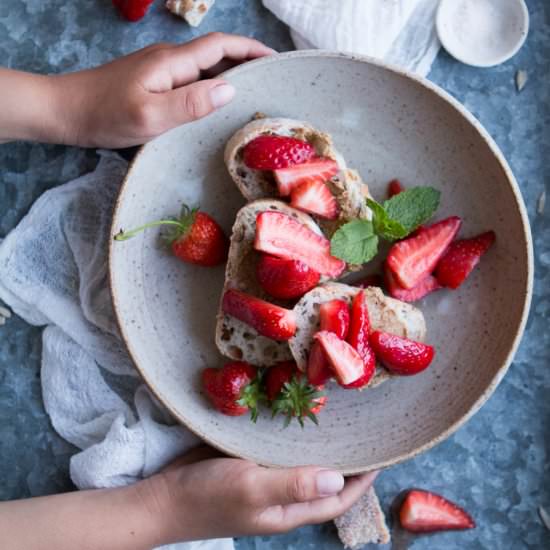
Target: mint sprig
356 242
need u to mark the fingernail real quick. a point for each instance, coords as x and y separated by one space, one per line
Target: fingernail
221 95
329 483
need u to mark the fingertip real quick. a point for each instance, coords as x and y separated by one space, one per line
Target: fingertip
222 94
329 482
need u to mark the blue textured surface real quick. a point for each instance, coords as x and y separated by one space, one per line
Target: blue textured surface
497 465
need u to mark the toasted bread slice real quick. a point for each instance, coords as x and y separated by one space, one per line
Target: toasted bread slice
385 313
193 11
346 186
363 523
234 338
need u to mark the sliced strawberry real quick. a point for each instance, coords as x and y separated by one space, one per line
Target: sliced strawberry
270 152
358 337
284 237
314 197
269 320
318 367
394 188
423 288
318 169
370 280
344 360
412 259
423 511
285 279
334 317
401 355
461 258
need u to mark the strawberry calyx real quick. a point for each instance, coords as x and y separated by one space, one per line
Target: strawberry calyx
252 395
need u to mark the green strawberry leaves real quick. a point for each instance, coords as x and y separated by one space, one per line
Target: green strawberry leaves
356 242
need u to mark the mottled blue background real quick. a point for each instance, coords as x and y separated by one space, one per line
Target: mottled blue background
497 465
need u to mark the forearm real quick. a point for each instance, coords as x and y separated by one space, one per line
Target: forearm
117 519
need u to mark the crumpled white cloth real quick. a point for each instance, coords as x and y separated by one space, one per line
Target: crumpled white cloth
53 272
401 32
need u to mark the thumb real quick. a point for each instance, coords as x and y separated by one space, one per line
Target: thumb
298 485
194 101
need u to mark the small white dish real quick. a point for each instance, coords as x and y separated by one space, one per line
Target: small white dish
482 33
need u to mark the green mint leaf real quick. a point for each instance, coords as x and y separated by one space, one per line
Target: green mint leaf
413 207
384 226
355 242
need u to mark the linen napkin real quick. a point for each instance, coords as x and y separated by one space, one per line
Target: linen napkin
401 32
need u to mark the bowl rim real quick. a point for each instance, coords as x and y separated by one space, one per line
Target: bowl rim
499 375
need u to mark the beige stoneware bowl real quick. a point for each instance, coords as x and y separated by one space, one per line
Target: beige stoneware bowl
387 124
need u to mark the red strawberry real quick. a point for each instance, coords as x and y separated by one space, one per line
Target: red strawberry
285 279
346 363
358 337
401 355
394 188
412 259
423 511
317 169
291 394
370 280
133 10
461 258
234 389
318 367
268 319
423 288
334 317
314 197
270 152
284 237
195 237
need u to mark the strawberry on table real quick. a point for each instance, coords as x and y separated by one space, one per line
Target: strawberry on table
291 394
423 511
423 288
334 317
267 319
195 237
284 237
412 260
285 279
314 197
401 355
234 389
394 188
460 259
133 10
269 152
316 170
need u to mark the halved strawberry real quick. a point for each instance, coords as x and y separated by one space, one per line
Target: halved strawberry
461 257
270 152
268 319
318 367
284 237
344 360
314 197
317 169
423 288
394 188
285 279
423 511
401 355
412 259
334 317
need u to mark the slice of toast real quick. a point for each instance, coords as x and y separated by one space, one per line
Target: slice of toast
346 186
363 523
234 338
193 11
387 314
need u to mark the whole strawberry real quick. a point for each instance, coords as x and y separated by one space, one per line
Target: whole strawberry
291 394
234 389
195 237
269 152
133 10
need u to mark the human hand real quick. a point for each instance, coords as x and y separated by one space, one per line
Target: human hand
199 497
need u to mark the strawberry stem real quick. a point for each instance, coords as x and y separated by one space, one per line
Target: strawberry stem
125 235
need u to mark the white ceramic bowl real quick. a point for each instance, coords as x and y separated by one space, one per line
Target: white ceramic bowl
387 124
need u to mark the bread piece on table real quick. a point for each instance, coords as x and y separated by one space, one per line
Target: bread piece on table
193 11
386 314
236 339
364 523
347 186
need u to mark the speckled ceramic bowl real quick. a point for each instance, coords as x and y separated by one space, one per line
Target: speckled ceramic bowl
387 124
